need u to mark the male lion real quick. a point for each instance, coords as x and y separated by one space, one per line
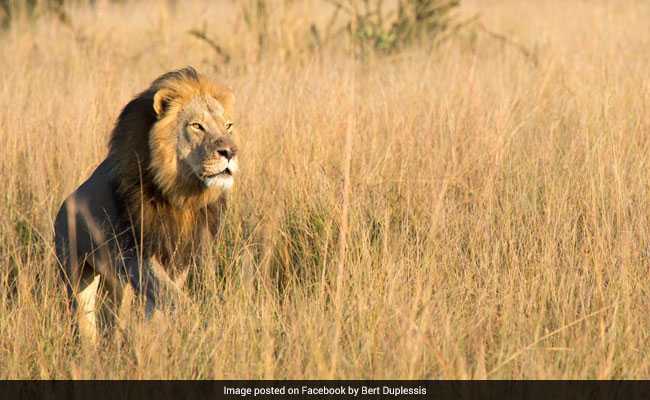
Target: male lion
154 199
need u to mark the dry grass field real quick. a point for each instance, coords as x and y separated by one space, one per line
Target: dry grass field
466 212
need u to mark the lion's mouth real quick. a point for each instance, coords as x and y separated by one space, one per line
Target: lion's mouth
225 172
223 179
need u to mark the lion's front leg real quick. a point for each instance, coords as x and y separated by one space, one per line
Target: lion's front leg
141 277
150 280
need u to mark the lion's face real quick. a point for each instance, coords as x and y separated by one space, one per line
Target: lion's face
205 143
192 138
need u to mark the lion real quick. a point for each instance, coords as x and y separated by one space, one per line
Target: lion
153 202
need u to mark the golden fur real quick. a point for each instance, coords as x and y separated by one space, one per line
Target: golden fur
159 195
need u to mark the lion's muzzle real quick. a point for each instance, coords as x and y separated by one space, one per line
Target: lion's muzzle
219 171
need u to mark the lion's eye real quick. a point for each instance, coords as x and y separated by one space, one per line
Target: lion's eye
229 125
197 126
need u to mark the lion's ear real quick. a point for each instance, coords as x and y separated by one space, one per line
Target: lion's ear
161 100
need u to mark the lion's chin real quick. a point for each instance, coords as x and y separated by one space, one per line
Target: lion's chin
221 181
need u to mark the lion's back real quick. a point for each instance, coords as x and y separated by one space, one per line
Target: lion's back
89 218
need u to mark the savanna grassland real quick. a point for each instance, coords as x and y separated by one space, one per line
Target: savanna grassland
475 210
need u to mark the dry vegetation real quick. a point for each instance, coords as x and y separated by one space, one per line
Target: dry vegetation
494 215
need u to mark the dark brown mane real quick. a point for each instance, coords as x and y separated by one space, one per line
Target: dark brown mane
129 147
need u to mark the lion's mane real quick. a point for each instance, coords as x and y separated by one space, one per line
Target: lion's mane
159 199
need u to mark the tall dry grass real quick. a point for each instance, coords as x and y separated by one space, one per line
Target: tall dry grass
494 211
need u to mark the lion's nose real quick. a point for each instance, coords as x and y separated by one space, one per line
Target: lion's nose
227 153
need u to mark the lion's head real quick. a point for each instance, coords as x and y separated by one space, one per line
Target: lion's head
179 135
192 137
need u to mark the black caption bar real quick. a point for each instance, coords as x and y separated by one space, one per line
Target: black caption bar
161 390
